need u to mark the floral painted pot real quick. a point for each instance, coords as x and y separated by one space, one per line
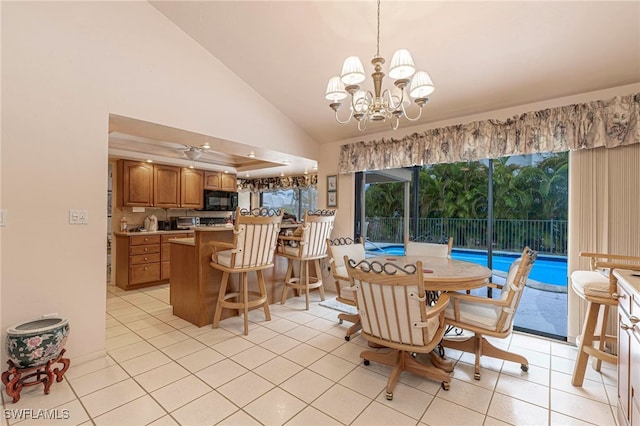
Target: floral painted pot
33 343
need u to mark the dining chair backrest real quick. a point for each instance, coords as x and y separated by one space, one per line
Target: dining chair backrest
415 248
391 302
255 237
316 228
338 248
514 287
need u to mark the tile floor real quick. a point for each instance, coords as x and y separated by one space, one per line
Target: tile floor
297 369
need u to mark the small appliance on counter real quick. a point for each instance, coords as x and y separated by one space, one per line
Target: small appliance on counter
151 223
164 225
184 222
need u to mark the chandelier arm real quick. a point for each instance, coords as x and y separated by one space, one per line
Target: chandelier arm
394 121
410 118
347 120
362 127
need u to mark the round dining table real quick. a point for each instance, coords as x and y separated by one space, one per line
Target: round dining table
443 274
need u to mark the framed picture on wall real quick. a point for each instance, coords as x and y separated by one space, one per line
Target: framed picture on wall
332 199
332 183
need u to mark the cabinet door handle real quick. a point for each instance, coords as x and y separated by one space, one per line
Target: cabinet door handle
626 327
146 249
634 319
146 258
145 268
619 296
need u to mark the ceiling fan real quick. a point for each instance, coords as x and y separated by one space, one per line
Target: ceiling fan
194 152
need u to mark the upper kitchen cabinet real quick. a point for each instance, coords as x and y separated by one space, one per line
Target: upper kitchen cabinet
137 183
166 186
229 182
191 189
220 181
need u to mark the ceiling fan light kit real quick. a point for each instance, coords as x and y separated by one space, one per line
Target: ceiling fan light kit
365 106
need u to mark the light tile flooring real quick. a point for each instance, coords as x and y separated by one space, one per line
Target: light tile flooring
297 369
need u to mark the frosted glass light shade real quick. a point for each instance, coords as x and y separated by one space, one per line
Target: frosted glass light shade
352 71
402 65
421 85
335 90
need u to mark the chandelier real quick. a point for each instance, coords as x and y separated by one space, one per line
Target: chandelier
379 105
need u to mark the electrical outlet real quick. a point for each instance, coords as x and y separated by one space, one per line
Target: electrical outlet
3 218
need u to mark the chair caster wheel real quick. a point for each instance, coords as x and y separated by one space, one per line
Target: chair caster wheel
389 396
445 385
340 321
366 362
524 368
476 376
347 338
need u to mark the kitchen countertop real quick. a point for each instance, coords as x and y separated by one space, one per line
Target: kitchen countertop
185 241
176 231
629 277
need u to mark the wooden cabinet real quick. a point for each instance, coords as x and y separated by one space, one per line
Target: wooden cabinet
212 180
191 189
137 183
628 348
137 261
149 185
166 186
144 259
229 182
220 181
165 254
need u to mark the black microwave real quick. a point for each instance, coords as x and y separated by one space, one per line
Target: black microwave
220 201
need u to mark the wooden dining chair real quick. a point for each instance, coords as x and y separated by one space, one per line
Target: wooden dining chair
255 236
417 248
394 314
485 316
337 249
309 246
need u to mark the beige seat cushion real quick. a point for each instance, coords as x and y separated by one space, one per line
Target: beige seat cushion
590 283
481 315
224 258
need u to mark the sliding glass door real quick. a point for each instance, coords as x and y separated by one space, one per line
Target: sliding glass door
492 209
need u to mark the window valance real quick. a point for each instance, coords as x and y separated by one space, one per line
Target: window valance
609 123
277 183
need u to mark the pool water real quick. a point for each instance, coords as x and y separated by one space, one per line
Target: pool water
546 269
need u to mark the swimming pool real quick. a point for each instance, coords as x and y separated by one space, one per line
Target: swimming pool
546 269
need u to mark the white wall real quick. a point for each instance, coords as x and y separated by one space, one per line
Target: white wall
65 67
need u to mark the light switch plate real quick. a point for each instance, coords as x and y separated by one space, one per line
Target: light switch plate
78 217
3 218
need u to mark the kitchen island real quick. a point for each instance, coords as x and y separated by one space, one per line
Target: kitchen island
195 284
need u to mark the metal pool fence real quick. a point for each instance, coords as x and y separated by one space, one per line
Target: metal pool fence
544 236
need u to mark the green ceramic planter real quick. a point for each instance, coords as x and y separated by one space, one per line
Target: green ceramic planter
33 343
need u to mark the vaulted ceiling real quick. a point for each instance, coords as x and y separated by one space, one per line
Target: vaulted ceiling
481 55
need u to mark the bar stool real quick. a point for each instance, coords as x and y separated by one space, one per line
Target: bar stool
309 246
599 291
255 237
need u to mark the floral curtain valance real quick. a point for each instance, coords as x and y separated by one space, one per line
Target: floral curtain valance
609 123
277 183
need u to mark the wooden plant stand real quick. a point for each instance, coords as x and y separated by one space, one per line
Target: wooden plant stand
16 378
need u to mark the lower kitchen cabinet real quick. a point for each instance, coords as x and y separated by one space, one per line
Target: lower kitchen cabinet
628 348
143 260
165 254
